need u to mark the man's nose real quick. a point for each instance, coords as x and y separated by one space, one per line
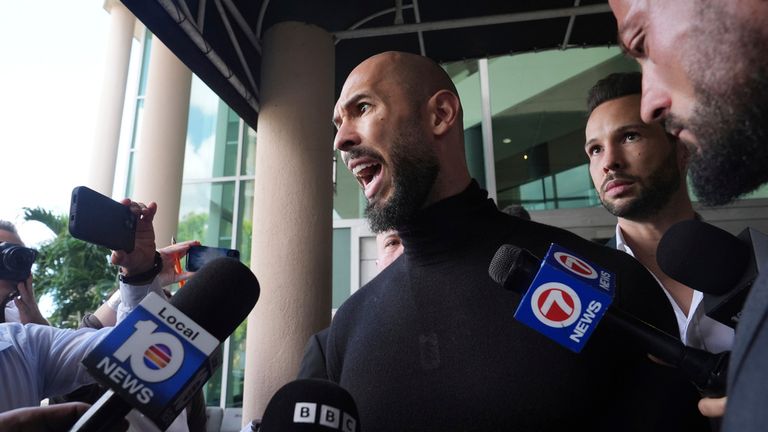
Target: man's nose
346 137
656 100
612 159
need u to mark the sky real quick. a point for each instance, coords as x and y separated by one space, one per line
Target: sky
51 70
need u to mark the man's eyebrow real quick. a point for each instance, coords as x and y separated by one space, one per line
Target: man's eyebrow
347 104
630 127
618 131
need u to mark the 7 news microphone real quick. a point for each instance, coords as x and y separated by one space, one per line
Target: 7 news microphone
163 352
309 405
711 260
567 298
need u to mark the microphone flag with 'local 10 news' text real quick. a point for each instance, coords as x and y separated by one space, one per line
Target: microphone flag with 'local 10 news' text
152 356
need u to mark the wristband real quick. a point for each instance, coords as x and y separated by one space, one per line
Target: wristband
147 276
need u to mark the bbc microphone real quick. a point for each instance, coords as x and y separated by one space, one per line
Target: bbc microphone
310 405
156 358
715 262
565 297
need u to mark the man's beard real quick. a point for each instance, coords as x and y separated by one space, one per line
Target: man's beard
414 170
730 120
655 192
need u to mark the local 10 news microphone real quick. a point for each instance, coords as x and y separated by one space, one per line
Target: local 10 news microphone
163 352
565 297
308 405
715 262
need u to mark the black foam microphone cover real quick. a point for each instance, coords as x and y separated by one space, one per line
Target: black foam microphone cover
703 256
302 405
219 296
513 268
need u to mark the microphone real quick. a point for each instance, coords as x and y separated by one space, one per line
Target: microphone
310 405
723 267
156 358
562 305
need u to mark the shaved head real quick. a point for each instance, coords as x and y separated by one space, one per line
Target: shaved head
420 76
416 77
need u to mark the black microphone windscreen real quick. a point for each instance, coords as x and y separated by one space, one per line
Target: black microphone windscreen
310 405
502 262
513 268
703 256
219 296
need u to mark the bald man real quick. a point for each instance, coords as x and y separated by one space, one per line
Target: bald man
431 343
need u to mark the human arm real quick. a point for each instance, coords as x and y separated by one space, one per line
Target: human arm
106 314
51 418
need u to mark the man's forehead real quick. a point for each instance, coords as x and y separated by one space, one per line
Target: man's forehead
363 78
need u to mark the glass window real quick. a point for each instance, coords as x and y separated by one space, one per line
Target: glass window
538 105
248 165
236 377
342 258
348 199
145 63
467 81
212 135
244 232
206 213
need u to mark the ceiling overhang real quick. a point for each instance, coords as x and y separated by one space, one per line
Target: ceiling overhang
220 40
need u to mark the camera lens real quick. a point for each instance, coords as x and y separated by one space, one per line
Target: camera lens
18 258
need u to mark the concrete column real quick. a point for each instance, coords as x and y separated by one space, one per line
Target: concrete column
159 157
293 204
110 114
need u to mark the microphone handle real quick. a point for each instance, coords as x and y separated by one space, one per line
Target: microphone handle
706 370
104 415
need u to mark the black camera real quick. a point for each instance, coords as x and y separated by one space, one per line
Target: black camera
16 261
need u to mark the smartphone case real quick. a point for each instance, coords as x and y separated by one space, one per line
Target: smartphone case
100 220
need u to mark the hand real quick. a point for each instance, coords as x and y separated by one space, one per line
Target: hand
170 254
713 407
52 418
27 305
143 256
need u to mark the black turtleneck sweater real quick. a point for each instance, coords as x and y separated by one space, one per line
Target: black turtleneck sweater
431 343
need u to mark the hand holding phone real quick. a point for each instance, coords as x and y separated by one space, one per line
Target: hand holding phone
198 256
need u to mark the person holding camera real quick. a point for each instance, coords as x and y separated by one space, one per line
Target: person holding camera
19 305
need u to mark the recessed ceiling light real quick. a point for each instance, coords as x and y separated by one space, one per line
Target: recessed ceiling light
525 156
506 140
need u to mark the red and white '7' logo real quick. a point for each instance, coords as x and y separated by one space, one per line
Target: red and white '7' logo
575 265
556 304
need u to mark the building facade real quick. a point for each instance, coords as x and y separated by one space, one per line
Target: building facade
524 119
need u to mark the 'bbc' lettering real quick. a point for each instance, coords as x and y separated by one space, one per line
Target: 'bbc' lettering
154 356
334 418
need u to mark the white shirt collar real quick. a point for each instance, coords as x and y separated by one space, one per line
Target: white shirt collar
696 329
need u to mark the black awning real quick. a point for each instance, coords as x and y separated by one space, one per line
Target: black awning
219 40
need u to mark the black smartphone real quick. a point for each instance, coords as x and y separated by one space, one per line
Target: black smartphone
100 220
198 256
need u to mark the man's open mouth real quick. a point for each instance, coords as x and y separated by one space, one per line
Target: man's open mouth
366 172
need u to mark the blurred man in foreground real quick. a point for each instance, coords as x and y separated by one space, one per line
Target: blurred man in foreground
705 77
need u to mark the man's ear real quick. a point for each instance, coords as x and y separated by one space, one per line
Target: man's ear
444 110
